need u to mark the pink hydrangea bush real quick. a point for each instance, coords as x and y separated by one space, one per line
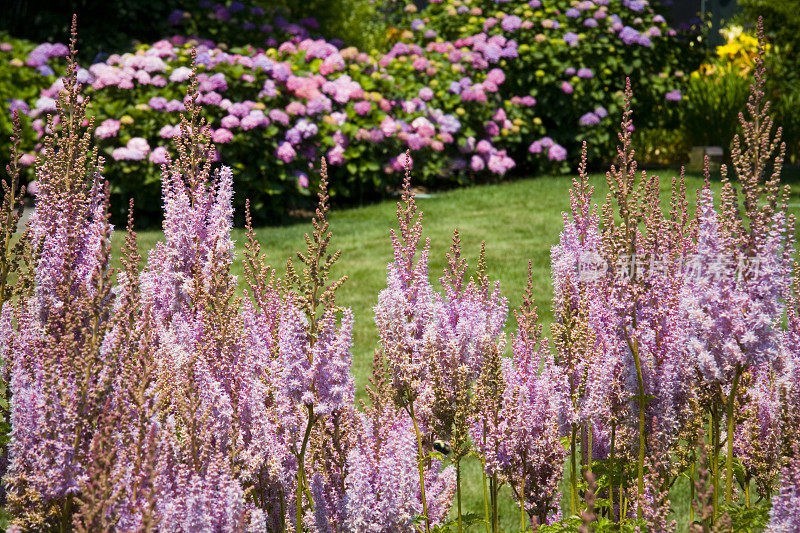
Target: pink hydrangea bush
463 102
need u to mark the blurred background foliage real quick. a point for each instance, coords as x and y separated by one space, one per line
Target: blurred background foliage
111 26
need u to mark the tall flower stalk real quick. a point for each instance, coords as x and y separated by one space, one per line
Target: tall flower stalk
59 376
404 310
315 353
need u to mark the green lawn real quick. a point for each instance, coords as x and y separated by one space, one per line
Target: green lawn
519 221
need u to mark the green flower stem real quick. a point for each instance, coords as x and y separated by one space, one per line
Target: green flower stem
493 489
691 492
714 461
731 428
589 450
420 467
613 471
522 503
574 470
458 494
301 468
485 495
642 405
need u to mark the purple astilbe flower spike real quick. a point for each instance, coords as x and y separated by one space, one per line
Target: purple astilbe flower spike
757 442
319 389
469 320
316 375
576 265
406 306
13 259
383 485
655 503
530 455
219 434
744 260
11 210
58 375
406 316
734 302
784 516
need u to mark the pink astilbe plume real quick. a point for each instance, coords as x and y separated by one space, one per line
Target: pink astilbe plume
757 442
383 485
530 455
468 321
59 377
618 330
315 388
406 307
407 316
645 250
749 249
118 488
784 516
14 263
205 380
268 421
733 302
316 375
11 210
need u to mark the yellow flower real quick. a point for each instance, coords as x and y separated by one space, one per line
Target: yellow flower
537 121
460 111
515 129
126 120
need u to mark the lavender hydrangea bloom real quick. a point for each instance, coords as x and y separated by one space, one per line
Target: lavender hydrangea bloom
511 23
571 38
589 119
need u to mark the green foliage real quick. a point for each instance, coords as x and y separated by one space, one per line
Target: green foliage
782 26
573 524
710 114
746 519
360 23
468 520
106 26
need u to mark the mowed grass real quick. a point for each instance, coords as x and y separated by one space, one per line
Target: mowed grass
519 222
